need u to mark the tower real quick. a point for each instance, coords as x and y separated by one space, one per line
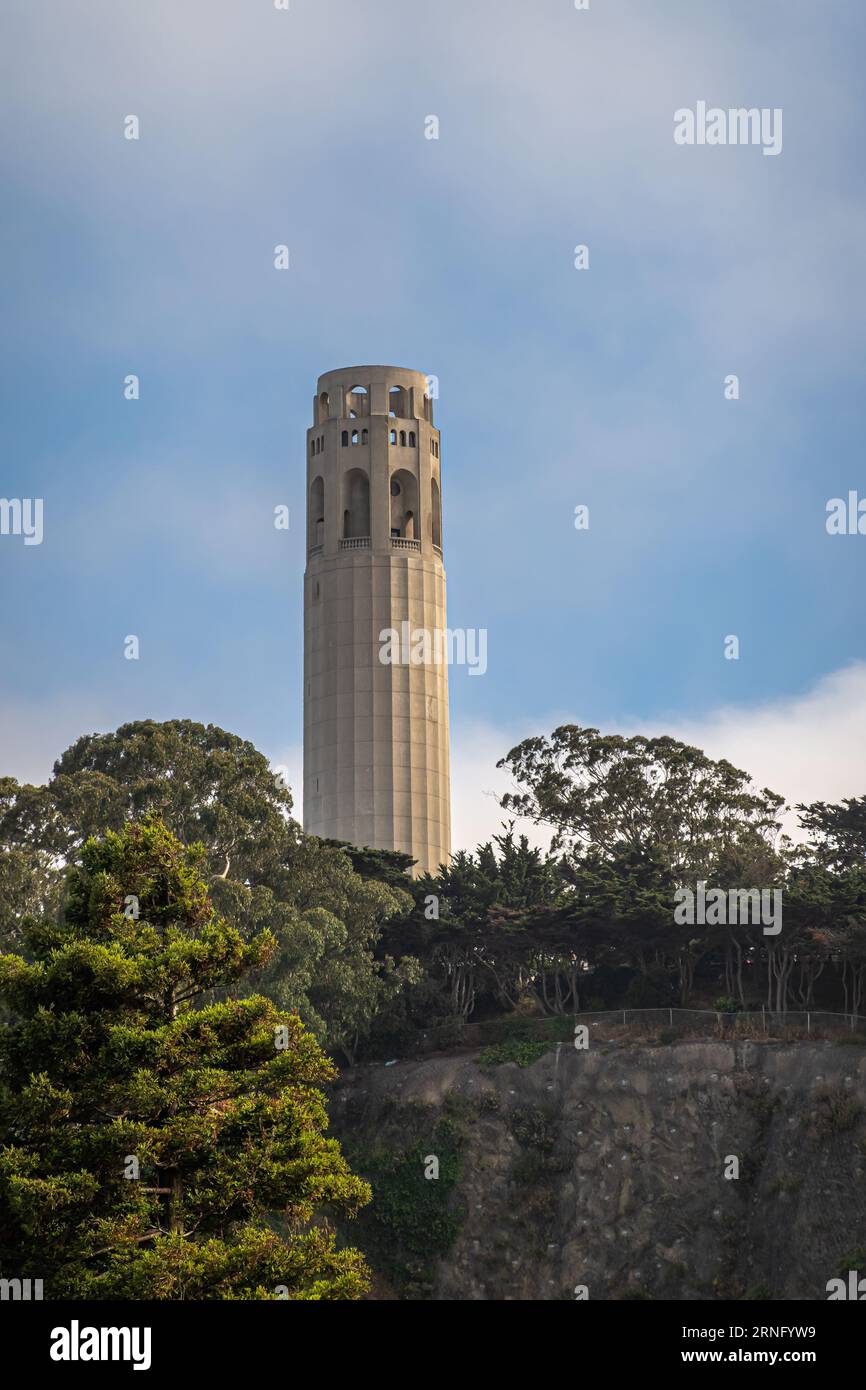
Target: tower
375 728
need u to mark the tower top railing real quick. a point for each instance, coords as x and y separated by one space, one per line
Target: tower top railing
357 393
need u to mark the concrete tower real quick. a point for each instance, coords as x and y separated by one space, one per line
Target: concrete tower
375 735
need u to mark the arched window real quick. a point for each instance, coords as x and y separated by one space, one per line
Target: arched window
363 436
403 439
398 403
357 402
356 504
344 439
354 436
317 512
411 439
324 408
312 447
393 437
435 514
404 504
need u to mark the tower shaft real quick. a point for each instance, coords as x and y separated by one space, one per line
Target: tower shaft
376 747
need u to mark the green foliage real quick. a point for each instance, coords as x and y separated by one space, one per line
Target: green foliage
263 874
650 991
838 832
383 865
412 1220
414 1208
375 968
519 1050
612 794
147 1142
533 1127
855 1259
836 1111
505 874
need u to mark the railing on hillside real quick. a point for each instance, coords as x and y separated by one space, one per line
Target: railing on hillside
812 1020
697 1023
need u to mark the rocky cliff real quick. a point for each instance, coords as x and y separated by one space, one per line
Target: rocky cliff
613 1169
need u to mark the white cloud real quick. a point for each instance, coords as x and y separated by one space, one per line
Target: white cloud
809 747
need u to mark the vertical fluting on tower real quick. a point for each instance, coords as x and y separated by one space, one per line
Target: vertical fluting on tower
376 745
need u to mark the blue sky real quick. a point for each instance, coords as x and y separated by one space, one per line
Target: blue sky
455 257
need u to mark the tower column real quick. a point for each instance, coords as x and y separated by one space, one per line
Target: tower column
376 740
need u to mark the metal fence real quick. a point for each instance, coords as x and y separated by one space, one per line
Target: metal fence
818 1022
668 1023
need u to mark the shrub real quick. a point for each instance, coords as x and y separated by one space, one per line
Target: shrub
523 1052
836 1112
449 1032
530 1126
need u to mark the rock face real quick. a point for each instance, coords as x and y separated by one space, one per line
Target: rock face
607 1169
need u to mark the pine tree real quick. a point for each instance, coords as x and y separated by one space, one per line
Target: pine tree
152 1149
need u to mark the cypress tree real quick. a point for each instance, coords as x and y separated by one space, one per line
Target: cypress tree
149 1148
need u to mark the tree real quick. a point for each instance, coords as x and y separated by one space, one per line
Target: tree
31 842
389 866
209 786
262 872
838 832
486 902
153 1149
612 794
325 964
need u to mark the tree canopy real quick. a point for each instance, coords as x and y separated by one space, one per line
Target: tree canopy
149 1143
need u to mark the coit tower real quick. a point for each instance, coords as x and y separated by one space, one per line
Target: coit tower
375 719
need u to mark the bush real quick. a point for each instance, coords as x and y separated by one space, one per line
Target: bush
651 991
531 1127
449 1032
837 1111
523 1052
